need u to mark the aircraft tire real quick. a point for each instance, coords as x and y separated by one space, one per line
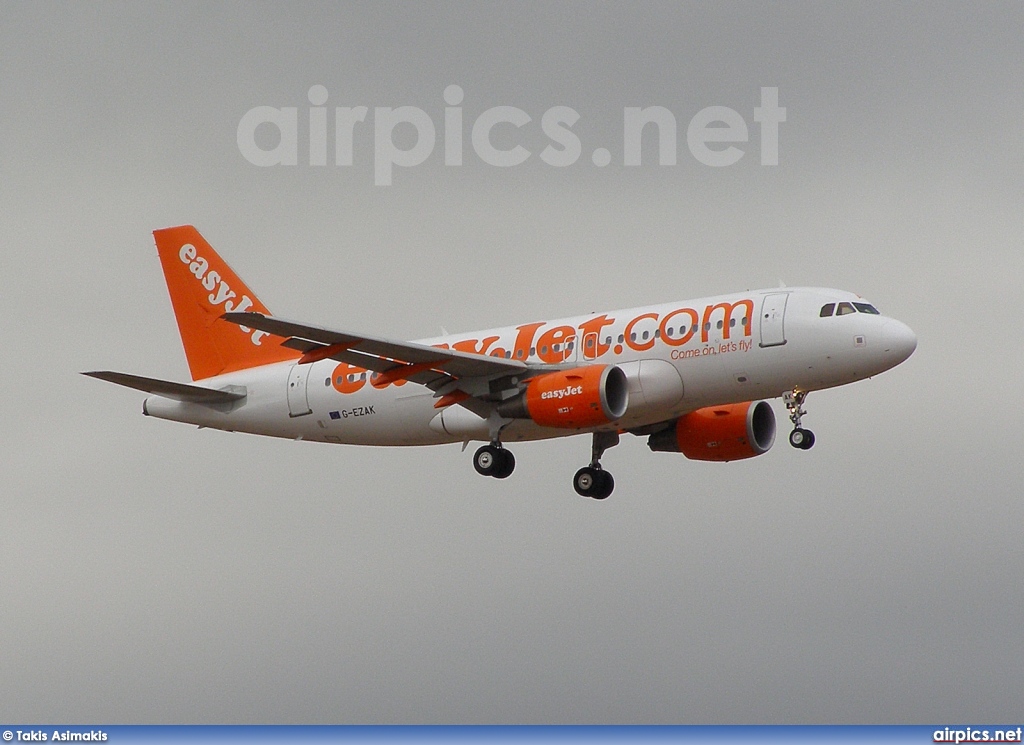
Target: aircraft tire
606 484
506 464
593 483
487 460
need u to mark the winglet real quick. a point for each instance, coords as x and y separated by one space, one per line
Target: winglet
202 287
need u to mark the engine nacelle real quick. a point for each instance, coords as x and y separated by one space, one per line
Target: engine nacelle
720 433
572 399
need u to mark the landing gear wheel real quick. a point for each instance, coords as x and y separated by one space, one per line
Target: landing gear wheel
486 460
593 483
585 481
802 439
506 464
606 485
491 460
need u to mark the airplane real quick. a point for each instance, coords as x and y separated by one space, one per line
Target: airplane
692 377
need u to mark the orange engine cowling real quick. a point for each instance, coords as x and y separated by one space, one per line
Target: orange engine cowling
720 433
572 399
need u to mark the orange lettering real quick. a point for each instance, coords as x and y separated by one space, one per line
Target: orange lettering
472 345
687 332
728 308
558 335
340 378
639 346
524 340
590 332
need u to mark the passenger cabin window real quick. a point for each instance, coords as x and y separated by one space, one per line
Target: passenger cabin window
867 308
826 310
845 309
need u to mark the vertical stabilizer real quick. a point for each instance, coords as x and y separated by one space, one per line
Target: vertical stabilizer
202 288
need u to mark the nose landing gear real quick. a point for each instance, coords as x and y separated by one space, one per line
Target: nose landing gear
593 481
800 438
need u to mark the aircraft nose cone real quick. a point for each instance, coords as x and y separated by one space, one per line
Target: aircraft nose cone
899 340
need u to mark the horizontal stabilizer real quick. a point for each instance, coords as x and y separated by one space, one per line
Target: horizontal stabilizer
167 389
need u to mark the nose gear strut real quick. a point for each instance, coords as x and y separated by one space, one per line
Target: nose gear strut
800 438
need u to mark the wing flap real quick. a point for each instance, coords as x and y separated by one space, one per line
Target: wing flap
431 378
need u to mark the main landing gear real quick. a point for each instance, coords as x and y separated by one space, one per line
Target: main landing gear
494 460
800 438
593 481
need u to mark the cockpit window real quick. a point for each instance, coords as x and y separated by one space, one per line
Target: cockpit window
826 310
867 308
845 309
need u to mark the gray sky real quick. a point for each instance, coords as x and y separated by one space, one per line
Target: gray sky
155 573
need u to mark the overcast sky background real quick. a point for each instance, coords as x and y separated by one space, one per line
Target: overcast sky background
150 572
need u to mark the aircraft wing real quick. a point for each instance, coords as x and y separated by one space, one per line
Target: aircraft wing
167 389
429 366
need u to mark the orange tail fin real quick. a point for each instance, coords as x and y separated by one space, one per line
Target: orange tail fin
202 287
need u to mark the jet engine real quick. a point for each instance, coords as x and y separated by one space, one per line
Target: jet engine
719 433
572 399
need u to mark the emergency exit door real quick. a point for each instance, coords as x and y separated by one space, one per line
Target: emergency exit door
298 404
773 319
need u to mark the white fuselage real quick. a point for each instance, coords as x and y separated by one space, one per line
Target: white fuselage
678 357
